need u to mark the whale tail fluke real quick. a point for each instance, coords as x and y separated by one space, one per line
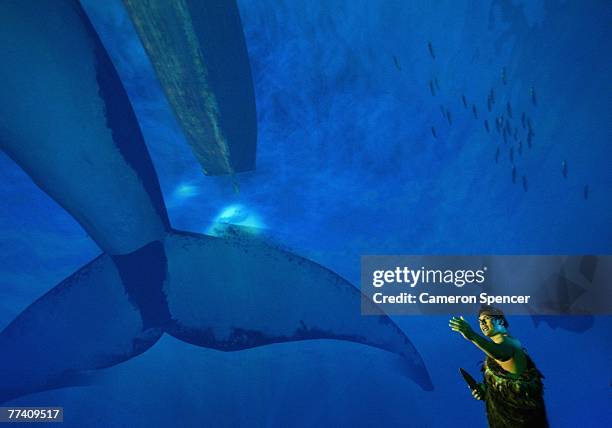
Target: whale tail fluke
233 294
224 294
86 322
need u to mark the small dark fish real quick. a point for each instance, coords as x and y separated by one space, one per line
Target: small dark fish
437 83
489 104
585 192
523 120
512 154
433 133
486 125
529 123
503 75
529 136
497 155
449 117
509 109
515 134
524 183
520 148
492 96
532 93
513 174
564 169
432 89
475 111
464 101
431 51
396 62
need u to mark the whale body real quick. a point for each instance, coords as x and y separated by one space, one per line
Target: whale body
66 120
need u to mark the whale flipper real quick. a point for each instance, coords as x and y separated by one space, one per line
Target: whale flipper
199 54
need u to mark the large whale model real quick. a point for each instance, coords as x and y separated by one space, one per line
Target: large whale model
66 120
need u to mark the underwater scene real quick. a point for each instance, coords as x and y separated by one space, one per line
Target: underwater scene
188 189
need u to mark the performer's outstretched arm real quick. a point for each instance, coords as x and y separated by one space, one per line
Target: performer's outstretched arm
499 351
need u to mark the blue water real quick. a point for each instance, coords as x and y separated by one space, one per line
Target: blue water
347 166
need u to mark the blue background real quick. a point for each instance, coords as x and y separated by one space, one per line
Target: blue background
347 166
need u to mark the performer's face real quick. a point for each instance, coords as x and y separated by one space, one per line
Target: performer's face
488 325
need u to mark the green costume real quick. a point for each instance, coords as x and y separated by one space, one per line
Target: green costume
514 401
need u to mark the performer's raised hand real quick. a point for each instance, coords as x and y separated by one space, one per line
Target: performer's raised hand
460 325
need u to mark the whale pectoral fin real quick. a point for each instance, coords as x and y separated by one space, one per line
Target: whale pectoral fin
237 294
201 61
86 322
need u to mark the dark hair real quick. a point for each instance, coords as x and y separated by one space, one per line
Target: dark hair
495 313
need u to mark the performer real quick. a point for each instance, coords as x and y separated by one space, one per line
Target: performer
512 388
